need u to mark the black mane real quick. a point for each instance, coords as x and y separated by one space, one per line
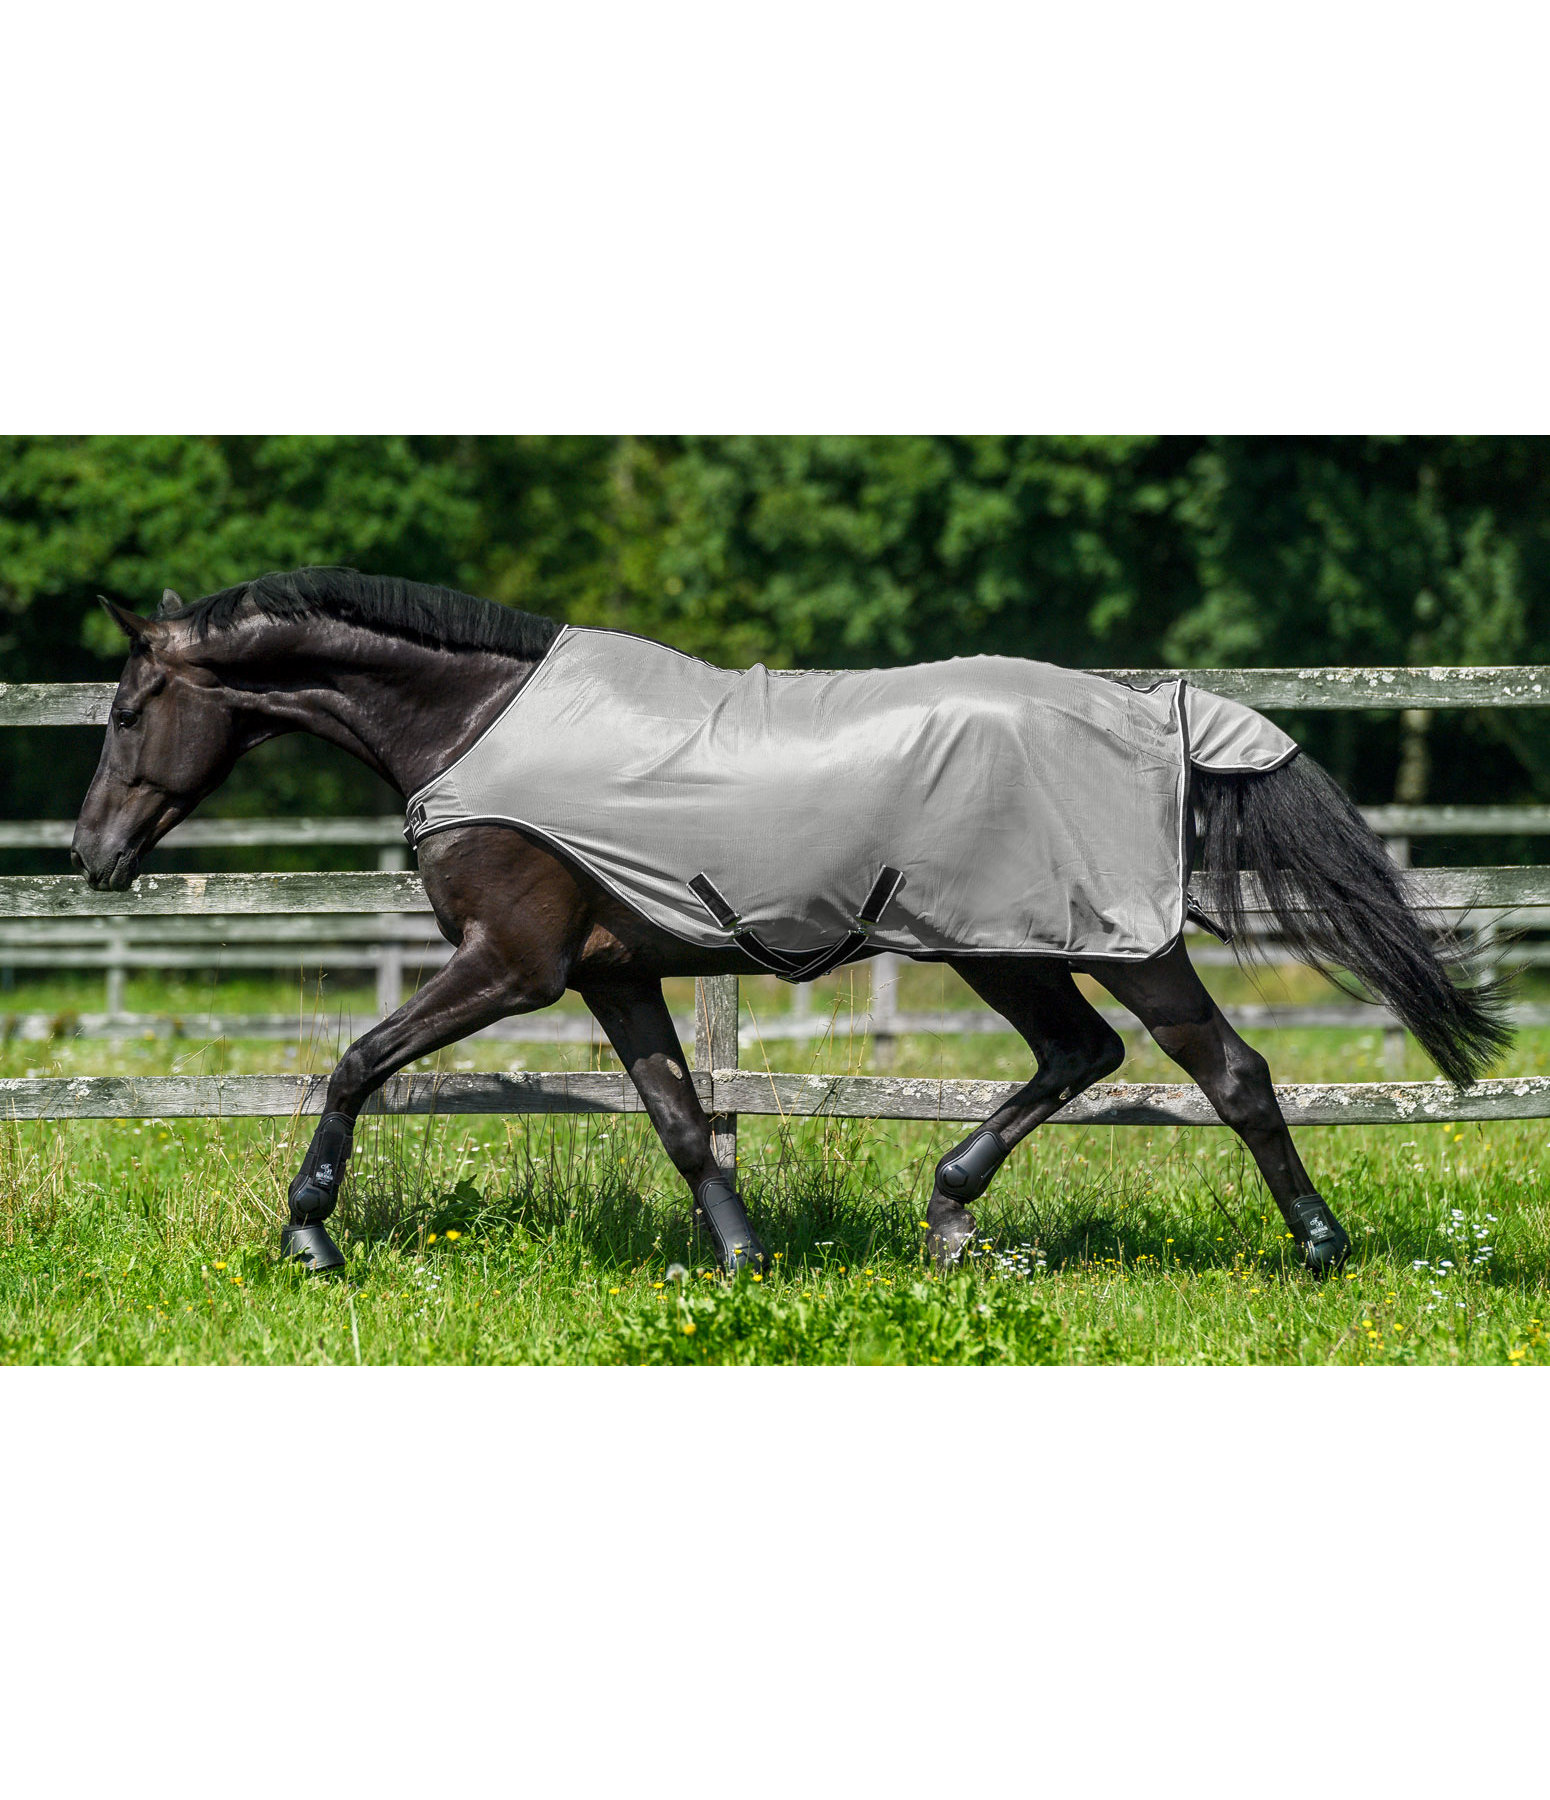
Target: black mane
409 609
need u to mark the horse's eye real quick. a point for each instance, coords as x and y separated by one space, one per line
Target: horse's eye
127 720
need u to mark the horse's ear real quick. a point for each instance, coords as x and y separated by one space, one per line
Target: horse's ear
137 630
170 603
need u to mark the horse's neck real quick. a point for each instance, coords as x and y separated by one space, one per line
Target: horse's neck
412 724
405 709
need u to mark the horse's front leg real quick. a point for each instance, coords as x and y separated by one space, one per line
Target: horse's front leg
484 981
640 1028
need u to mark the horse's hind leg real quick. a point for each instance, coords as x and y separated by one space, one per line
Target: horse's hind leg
1072 1047
1170 1000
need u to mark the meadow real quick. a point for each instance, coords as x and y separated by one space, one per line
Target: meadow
568 1240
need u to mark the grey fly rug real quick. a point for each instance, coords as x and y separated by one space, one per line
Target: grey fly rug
983 806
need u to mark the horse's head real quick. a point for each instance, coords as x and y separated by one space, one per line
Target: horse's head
173 736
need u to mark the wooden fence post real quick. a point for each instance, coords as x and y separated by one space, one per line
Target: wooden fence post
118 953
1394 1035
715 1047
885 1007
390 955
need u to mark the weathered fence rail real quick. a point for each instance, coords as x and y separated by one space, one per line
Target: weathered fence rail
729 1092
1290 690
394 891
388 831
726 1089
383 944
223 834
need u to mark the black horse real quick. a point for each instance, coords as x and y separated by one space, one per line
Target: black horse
408 678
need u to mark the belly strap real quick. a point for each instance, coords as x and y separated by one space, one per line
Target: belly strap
781 962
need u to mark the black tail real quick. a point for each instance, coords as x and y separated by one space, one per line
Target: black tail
1338 904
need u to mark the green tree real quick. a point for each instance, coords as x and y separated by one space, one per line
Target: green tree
1377 550
845 551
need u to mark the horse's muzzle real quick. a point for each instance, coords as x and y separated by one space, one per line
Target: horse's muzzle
113 873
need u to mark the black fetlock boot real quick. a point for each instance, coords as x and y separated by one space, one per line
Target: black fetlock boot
723 1209
314 1194
1324 1245
962 1175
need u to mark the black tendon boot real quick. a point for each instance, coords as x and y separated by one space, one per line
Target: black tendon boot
1324 1245
962 1175
314 1193
735 1237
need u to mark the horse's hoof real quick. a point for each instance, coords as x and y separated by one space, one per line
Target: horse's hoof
1325 1245
947 1241
747 1255
312 1247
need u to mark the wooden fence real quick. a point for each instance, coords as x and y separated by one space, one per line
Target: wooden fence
726 1089
389 945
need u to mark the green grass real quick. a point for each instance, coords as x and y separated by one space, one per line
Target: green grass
496 1241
